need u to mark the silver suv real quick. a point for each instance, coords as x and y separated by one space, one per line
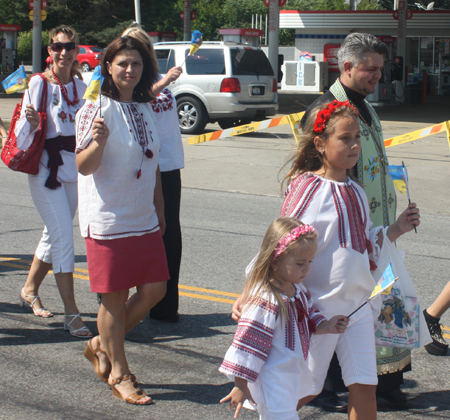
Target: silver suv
230 83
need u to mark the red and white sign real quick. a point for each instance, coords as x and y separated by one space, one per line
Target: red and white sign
193 15
330 56
409 14
8 27
281 3
43 4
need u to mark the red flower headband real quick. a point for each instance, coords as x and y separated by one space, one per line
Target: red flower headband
325 114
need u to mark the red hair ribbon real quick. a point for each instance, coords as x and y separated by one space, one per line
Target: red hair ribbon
324 115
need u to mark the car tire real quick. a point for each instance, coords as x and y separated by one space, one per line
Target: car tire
85 67
192 115
224 124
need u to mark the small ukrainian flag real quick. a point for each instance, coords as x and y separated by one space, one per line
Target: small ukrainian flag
16 82
385 283
93 90
196 41
399 176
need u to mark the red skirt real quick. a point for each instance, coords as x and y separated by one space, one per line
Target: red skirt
123 263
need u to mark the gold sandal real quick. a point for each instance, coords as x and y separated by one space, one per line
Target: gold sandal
135 396
91 355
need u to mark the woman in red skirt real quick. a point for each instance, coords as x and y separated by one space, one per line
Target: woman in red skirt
121 208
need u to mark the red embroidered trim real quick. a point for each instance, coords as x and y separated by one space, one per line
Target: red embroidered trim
324 115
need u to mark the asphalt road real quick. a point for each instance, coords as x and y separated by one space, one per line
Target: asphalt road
230 195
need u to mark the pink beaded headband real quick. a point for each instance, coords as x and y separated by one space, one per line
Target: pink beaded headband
293 235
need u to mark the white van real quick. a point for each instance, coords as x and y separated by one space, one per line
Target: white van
230 83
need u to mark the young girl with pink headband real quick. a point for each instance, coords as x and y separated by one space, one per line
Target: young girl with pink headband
322 192
268 357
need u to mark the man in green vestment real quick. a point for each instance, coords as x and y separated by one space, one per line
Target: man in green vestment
361 59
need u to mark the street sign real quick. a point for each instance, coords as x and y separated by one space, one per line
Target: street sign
193 15
409 14
43 4
281 3
43 15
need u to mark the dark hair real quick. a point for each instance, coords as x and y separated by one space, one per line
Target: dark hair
149 73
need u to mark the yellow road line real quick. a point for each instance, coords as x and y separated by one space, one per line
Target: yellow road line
82 277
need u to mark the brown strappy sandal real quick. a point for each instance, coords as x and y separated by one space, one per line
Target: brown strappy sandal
135 396
91 355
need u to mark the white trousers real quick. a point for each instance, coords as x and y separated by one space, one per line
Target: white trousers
57 209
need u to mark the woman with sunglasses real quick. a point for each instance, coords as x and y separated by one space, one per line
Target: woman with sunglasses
121 208
54 189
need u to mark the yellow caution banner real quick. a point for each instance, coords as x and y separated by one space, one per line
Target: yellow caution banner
245 129
414 135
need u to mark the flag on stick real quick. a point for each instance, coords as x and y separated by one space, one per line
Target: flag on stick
95 85
16 82
196 41
398 176
383 286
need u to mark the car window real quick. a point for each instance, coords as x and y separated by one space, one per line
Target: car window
97 49
82 50
250 62
205 61
166 60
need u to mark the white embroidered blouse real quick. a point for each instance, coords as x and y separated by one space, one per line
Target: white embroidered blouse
113 202
270 354
340 279
171 156
60 122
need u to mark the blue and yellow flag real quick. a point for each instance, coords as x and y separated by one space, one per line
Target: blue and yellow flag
385 283
16 82
399 176
93 90
196 41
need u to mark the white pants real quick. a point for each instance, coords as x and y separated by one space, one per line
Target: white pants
57 209
355 349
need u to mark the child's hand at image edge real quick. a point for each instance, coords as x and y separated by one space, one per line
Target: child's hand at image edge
238 395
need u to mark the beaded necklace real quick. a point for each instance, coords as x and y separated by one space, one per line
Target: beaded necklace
64 90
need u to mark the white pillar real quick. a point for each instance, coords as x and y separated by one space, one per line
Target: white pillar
37 37
274 24
401 49
137 11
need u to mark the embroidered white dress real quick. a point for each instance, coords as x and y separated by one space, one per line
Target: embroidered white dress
60 122
272 355
114 202
340 278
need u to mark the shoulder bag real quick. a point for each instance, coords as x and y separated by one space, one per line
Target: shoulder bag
26 161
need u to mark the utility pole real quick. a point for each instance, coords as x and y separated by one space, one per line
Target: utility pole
274 25
187 20
37 37
137 11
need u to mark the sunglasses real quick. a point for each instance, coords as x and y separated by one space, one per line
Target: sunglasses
59 46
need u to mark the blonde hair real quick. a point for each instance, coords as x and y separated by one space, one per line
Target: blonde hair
259 279
142 36
306 157
73 36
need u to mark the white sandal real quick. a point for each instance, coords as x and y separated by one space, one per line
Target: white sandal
75 333
42 312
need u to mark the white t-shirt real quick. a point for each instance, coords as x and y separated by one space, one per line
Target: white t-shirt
171 156
60 122
113 202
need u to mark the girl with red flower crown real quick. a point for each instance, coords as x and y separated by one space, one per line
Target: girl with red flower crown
322 192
